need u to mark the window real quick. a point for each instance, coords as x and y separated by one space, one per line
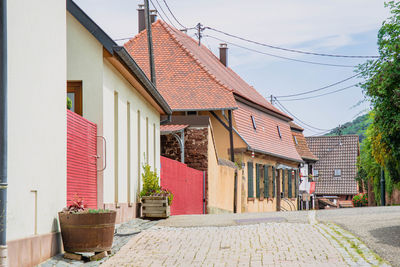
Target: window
295 140
338 172
74 92
315 173
254 122
191 113
279 132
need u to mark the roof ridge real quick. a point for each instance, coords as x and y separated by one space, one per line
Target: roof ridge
168 29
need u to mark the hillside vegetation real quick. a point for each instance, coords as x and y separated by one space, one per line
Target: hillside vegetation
358 126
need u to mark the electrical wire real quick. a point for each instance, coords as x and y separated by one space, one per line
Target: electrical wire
276 56
170 11
302 122
319 89
315 96
162 12
287 49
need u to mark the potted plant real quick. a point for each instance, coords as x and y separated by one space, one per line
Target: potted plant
86 230
156 201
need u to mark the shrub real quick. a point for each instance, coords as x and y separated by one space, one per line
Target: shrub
360 200
151 185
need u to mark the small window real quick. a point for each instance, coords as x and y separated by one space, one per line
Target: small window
338 172
191 113
315 173
295 140
254 122
279 132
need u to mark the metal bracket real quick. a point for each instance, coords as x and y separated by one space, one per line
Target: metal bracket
105 153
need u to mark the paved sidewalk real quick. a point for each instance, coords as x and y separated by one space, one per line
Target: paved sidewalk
264 244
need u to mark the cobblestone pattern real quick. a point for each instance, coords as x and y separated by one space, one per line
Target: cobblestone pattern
354 252
271 244
124 232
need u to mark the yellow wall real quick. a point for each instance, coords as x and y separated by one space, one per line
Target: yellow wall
255 204
220 182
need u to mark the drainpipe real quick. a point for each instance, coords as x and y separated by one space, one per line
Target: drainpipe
3 131
149 41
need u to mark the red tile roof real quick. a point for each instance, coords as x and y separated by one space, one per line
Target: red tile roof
190 76
181 78
265 137
302 147
172 128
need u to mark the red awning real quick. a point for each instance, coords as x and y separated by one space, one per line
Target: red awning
172 128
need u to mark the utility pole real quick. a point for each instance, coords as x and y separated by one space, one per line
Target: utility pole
272 99
150 42
200 28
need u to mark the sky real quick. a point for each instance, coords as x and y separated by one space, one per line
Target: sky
347 27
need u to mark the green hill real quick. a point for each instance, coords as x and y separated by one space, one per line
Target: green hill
357 126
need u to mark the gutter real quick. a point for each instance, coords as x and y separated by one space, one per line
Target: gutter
3 131
167 120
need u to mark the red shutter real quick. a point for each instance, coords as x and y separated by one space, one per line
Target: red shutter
81 159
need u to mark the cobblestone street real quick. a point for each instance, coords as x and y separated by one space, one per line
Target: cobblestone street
265 244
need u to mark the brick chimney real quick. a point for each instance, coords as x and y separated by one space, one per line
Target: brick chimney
223 54
141 18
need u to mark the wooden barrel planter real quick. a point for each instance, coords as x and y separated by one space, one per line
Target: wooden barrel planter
155 207
87 232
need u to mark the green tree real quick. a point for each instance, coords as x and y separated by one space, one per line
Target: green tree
382 87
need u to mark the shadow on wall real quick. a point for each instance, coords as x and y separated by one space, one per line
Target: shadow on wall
387 235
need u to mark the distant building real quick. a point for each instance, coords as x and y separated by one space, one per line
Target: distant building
307 185
336 169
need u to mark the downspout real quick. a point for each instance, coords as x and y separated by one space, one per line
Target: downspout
168 119
3 132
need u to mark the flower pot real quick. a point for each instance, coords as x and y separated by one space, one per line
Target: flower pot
87 232
155 207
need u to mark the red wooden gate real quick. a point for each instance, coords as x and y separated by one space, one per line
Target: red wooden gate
81 159
185 183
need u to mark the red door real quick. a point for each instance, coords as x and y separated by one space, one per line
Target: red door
81 159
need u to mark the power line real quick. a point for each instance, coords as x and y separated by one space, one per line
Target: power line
319 89
310 97
287 49
165 2
162 12
285 109
272 55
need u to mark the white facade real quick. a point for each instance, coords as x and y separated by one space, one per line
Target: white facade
36 116
106 97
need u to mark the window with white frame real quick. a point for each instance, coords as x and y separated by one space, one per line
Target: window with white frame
337 172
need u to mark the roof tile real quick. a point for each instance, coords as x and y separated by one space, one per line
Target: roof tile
335 152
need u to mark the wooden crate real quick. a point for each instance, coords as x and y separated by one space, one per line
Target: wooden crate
155 207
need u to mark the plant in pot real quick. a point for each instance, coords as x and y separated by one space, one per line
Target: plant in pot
156 201
86 230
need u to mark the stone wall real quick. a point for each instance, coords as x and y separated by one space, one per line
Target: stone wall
196 144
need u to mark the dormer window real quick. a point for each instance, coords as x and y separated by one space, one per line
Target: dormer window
338 172
295 140
279 132
254 122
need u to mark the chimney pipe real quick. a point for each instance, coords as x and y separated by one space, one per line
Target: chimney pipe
223 54
153 16
141 20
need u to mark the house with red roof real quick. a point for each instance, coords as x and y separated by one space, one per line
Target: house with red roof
223 121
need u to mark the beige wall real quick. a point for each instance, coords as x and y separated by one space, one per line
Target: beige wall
36 115
114 82
220 180
257 204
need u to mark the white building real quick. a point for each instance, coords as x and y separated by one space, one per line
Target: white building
49 46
